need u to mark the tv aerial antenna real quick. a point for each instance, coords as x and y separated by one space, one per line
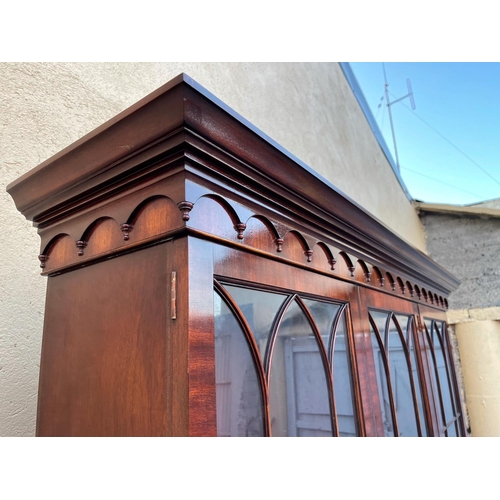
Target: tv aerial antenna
389 104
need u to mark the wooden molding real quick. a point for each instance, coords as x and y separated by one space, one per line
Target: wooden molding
182 143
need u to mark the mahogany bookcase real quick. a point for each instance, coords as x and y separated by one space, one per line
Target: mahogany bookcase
202 281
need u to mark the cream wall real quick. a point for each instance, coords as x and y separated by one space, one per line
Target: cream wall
479 344
478 336
307 108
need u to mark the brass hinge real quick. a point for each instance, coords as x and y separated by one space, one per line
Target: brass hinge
173 295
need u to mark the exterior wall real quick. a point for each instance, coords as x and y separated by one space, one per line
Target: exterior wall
469 248
487 204
305 107
479 345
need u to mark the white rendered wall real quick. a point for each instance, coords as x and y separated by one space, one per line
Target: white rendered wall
479 344
308 108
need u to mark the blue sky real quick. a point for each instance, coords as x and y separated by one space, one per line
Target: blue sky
457 108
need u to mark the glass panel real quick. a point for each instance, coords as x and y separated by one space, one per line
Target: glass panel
260 309
428 324
428 327
238 392
342 382
299 400
445 340
416 380
380 319
451 367
324 313
400 380
444 381
452 430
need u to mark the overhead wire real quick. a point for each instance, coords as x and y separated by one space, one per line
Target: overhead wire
441 135
451 143
442 182
419 173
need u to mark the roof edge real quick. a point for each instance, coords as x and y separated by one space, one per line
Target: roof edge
363 104
456 209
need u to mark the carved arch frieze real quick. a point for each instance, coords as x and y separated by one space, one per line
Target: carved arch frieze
346 267
261 233
324 258
378 277
213 214
366 273
401 286
295 247
391 282
60 250
102 234
154 216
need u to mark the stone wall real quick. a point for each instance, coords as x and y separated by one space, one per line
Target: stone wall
468 247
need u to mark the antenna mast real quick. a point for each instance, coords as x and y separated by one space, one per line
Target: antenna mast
389 104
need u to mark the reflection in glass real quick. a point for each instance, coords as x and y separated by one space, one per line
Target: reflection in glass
380 320
416 380
400 380
299 401
434 371
443 379
260 309
342 382
238 393
324 314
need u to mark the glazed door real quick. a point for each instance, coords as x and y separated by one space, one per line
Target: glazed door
394 383
309 413
299 353
442 374
285 360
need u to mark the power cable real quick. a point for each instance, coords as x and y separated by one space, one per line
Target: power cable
442 182
446 139
451 143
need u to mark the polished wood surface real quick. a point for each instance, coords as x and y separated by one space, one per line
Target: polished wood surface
103 361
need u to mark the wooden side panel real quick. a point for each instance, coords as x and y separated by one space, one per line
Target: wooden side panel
103 360
190 344
201 355
177 339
